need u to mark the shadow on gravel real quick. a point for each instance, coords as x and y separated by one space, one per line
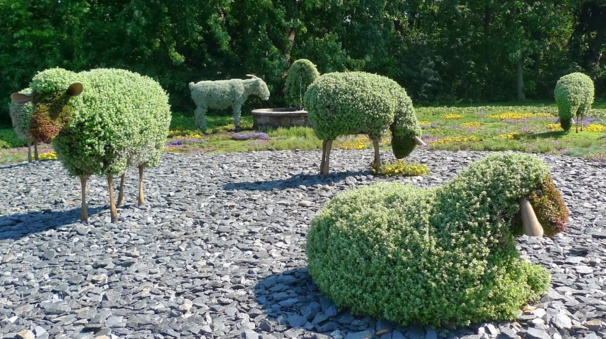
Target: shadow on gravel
20 225
295 181
293 303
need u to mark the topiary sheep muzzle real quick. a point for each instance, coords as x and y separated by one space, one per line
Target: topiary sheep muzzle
50 113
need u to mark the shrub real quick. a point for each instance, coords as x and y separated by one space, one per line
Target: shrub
435 256
301 74
574 97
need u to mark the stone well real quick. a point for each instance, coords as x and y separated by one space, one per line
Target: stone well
266 118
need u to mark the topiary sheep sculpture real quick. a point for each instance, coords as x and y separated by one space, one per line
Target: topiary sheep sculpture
21 116
574 97
443 255
361 103
223 94
100 122
301 74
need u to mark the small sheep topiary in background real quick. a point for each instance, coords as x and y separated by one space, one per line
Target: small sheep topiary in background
21 116
361 103
301 74
223 94
100 122
574 97
443 255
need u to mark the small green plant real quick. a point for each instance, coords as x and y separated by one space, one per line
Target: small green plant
400 167
301 74
574 95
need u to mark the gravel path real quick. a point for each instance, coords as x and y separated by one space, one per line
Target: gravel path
218 251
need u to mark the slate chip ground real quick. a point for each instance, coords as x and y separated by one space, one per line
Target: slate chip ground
218 251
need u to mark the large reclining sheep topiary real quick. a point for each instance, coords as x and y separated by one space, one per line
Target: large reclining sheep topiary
574 96
223 94
21 116
100 121
440 255
361 103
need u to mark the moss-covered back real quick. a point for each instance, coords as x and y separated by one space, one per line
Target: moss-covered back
574 96
301 74
431 256
362 103
120 118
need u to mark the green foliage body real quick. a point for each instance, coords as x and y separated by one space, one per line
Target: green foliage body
121 119
362 103
574 96
21 116
224 93
301 74
432 256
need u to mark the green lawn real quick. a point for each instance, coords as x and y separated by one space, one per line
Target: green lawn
524 127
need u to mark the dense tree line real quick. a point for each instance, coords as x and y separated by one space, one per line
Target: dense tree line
441 51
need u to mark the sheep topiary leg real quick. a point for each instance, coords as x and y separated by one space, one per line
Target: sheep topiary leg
29 150
121 194
141 200
324 165
36 150
112 205
375 143
83 209
237 109
200 118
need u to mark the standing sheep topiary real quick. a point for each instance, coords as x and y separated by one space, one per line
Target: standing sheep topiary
100 122
440 255
223 94
21 116
301 74
574 97
361 103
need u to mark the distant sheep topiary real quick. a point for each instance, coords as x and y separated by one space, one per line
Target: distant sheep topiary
21 116
442 255
100 122
301 74
361 103
223 94
574 97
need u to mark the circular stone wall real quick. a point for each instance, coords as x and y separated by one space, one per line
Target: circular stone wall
266 118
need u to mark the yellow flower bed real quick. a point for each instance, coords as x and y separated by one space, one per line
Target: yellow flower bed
425 123
453 116
553 127
401 167
48 156
595 128
473 124
184 134
518 116
505 136
458 139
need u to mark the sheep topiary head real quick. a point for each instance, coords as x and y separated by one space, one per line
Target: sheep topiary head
51 91
260 88
21 115
441 255
300 75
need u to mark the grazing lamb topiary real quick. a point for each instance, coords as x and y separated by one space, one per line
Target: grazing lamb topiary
361 103
223 94
100 122
574 97
21 116
301 74
442 255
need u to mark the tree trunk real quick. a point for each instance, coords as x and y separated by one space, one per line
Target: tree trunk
520 71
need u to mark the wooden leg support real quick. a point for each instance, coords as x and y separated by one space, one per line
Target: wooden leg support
36 150
29 150
83 209
375 143
112 205
121 194
326 167
141 200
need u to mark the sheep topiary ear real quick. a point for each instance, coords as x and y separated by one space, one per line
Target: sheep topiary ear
20 99
74 89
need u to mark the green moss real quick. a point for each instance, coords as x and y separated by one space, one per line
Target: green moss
361 103
431 256
121 118
301 74
574 95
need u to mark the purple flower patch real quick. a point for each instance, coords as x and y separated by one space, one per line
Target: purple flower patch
251 135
